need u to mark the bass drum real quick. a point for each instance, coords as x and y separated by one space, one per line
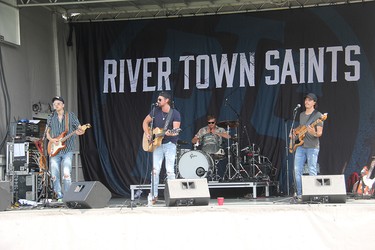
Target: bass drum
195 164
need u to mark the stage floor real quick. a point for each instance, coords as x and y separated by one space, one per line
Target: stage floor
241 223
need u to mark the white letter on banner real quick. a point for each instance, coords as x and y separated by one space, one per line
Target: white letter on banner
357 66
248 69
110 77
186 60
302 55
288 68
203 60
314 65
164 74
333 50
147 74
133 76
274 68
219 72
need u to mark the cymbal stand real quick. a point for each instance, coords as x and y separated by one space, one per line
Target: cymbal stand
239 167
253 165
229 165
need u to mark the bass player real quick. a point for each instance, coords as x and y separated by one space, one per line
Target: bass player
62 122
309 149
163 117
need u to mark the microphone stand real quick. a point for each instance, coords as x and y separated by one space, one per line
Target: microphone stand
139 191
153 160
291 199
46 173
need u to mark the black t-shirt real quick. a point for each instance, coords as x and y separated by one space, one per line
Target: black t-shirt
159 121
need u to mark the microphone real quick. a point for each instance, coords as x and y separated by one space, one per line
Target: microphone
244 149
297 107
155 104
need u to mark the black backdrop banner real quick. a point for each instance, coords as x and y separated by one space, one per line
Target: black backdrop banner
254 68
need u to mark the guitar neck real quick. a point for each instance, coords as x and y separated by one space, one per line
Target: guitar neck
68 136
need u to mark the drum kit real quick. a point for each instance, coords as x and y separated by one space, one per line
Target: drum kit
241 165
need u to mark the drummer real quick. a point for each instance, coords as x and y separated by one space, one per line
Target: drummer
210 136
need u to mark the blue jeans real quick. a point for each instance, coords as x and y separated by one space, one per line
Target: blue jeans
169 151
301 155
66 163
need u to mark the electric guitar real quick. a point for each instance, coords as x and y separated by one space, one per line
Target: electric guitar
301 131
364 185
157 137
55 148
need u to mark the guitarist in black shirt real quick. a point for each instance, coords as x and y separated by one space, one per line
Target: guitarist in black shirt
166 122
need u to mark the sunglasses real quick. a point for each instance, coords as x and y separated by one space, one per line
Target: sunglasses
159 100
211 122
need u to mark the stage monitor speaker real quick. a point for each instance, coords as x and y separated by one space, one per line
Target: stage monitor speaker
87 194
5 195
324 188
186 192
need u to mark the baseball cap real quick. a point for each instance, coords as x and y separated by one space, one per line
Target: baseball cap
59 98
165 95
312 96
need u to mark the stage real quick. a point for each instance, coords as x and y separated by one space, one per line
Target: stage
241 223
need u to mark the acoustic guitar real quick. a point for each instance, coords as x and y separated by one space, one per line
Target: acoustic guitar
55 148
157 137
301 131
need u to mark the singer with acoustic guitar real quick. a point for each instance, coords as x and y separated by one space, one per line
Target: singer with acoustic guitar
60 147
307 144
161 139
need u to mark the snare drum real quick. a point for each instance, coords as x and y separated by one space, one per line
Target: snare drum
210 143
195 164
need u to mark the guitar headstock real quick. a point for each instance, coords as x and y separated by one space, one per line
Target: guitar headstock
86 126
324 117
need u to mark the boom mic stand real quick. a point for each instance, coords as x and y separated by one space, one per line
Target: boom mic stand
293 198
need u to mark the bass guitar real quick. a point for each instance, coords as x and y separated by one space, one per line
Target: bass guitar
301 131
55 148
157 137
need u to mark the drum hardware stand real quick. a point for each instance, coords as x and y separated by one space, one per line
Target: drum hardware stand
239 167
214 174
178 156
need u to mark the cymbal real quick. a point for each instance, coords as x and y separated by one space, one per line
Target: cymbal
231 124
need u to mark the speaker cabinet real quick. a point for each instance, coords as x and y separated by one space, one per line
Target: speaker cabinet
5 195
324 188
87 194
186 192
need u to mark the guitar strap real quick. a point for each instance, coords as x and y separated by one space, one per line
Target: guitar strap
309 121
66 122
168 119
